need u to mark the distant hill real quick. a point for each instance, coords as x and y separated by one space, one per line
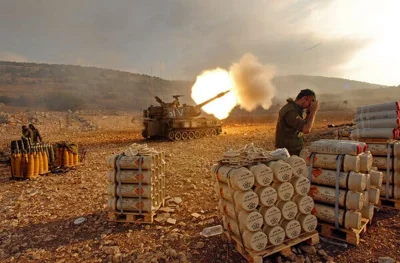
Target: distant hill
290 85
60 87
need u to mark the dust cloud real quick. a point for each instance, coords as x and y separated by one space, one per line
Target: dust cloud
253 83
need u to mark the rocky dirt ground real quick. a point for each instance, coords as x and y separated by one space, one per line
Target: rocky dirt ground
37 217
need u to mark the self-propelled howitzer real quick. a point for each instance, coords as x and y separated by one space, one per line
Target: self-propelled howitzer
178 122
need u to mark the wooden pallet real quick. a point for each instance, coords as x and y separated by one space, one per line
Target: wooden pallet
351 236
147 218
376 140
134 217
311 238
389 203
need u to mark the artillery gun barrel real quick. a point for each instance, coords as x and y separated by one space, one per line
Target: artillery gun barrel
213 98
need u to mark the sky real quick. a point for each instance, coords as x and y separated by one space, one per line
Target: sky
179 39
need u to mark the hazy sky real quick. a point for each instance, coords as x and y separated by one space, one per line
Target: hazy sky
178 39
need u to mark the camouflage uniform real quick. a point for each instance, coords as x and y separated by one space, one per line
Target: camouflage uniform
36 136
28 134
289 128
27 137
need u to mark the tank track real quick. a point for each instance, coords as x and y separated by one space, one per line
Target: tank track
190 134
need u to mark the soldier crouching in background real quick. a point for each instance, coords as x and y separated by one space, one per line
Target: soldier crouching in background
36 135
27 136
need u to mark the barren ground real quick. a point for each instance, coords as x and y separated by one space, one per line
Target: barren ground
36 217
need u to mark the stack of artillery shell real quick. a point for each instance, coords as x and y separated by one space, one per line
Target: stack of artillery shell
378 121
30 161
382 121
136 181
387 161
265 203
66 154
359 190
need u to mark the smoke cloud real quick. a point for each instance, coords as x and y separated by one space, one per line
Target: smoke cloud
252 83
249 83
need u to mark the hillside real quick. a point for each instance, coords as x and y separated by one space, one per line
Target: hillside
62 87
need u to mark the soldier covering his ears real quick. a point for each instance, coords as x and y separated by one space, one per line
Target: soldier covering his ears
292 123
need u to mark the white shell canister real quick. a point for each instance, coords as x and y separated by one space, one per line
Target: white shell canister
244 200
347 198
284 190
131 162
256 241
288 209
377 178
366 160
130 176
251 221
263 175
346 218
301 185
282 171
308 222
304 203
292 228
276 234
394 178
298 165
239 178
328 161
130 204
272 215
353 181
130 190
373 195
267 195
394 191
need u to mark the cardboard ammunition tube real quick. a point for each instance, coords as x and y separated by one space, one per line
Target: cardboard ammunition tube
304 203
131 162
251 221
353 181
130 204
368 211
276 234
346 218
298 165
288 208
244 200
301 185
377 178
130 176
267 195
282 171
256 241
292 228
394 178
394 191
130 190
365 162
308 222
336 147
272 215
284 190
373 195
328 161
241 179
347 198
263 175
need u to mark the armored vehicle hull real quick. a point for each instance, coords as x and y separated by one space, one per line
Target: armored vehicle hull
181 129
175 122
